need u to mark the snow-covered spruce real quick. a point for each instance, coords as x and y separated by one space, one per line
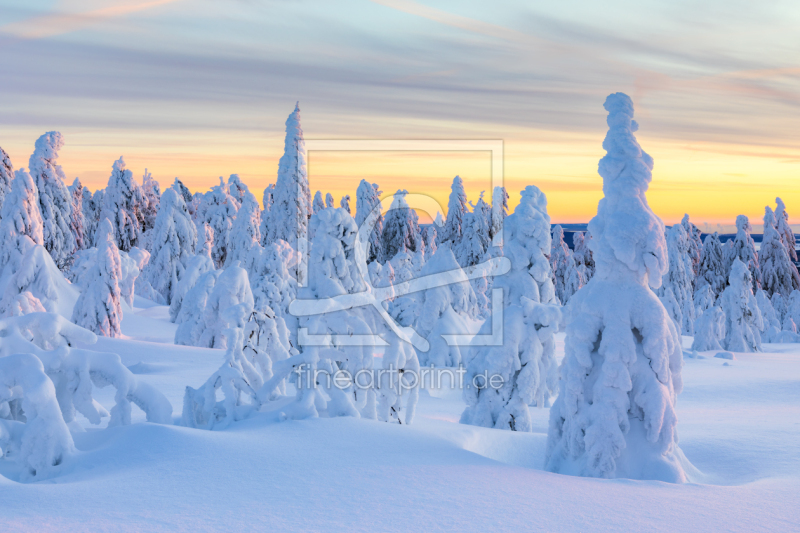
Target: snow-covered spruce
401 228
98 308
190 316
709 330
776 266
743 322
237 189
367 199
197 265
122 203
173 240
245 232
344 203
318 205
456 211
6 176
499 210
92 207
787 238
621 373
21 222
151 192
291 207
55 200
34 416
678 279
271 282
76 218
583 255
712 271
770 321
566 277
476 238
743 248
695 245
218 210
266 202
328 200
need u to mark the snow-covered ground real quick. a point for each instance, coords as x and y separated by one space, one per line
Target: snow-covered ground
739 426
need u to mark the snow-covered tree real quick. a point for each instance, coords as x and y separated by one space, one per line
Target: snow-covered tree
743 321
344 203
328 200
744 249
367 199
76 219
98 308
709 330
55 200
401 228
456 211
218 210
776 267
319 204
695 245
191 315
151 193
429 238
770 321
566 278
245 233
187 195
92 207
266 201
475 241
499 210
621 373
788 239
19 218
121 205
237 189
271 282
678 278
291 207
196 266
173 240
712 271
583 255
6 175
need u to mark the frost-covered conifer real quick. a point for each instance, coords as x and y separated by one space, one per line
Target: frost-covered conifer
55 201
173 241
122 205
744 249
401 229
583 255
695 245
792 309
291 207
456 211
770 322
245 233
197 265
367 199
187 195
272 285
218 210
678 279
743 321
76 219
788 239
91 215
266 201
621 373
566 278
318 205
98 308
237 189
19 218
776 267
712 266
344 203
709 330
475 242
231 288
151 193
6 175
499 210
328 200
429 238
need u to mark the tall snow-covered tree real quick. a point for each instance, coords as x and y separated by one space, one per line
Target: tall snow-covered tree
344 203
456 211
621 373
173 241
401 229
499 210
198 264
678 278
151 193
266 202
98 308
218 210
76 220
566 278
583 255
712 266
93 206
291 207
122 203
237 189
328 200
695 244
743 321
184 191
744 249
475 241
787 238
20 218
6 175
367 198
776 267
55 200
245 233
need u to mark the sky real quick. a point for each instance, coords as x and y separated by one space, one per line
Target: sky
201 88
